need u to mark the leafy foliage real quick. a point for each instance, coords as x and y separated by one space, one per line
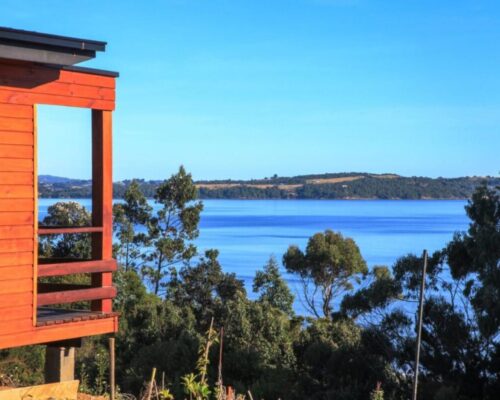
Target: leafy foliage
378 393
129 216
272 289
330 265
196 385
345 353
70 245
173 228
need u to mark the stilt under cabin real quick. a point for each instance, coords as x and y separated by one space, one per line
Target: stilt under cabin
37 68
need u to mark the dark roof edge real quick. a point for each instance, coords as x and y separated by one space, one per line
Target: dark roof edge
86 70
51 40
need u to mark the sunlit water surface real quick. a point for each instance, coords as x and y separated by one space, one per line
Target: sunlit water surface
247 232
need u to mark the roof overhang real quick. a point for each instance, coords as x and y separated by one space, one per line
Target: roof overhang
43 48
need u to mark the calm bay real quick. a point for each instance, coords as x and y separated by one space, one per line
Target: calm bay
247 232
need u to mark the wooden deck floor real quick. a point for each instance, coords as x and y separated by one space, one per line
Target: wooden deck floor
52 316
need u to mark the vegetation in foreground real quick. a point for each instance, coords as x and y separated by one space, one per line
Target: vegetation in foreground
358 344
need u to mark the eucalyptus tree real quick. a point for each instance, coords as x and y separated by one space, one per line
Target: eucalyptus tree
173 228
272 288
73 245
475 257
330 265
130 220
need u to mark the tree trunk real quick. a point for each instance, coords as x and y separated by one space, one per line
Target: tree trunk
158 275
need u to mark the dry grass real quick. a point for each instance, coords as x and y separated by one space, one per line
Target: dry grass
386 176
322 181
319 181
212 186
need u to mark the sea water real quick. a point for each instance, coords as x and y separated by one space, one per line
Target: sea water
248 232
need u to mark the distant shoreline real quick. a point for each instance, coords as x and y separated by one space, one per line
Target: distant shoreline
335 186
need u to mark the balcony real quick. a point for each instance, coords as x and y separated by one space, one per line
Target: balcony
53 298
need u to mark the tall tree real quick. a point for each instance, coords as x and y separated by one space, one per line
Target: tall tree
272 288
130 220
475 256
172 230
330 265
73 245
204 287
376 296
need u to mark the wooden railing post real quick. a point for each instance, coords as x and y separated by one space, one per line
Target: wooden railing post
102 200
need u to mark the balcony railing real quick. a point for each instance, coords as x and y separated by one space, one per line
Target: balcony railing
59 230
62 293
49 294
61 267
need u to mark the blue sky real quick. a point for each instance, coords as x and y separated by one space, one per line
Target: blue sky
242 89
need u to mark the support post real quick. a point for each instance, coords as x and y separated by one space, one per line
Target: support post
102 200
112 383
419 325
59 364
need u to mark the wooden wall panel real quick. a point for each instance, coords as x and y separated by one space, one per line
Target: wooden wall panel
22 191
16 204
17 193
16 259
16 302
14 110
16 178
16 165
19 271
16 232
19 299
15 286
15 245
66 90
16 218
22 87
9 137
16 151
16 312
26 85
28 98
16 124
19 325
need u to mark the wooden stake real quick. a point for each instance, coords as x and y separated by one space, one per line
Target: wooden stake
419 325
150 388
207 349
221 348
112 368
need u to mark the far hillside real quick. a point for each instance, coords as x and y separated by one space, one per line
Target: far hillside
348 185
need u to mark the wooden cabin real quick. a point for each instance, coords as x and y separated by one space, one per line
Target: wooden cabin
37 69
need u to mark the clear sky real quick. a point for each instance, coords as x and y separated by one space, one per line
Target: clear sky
243 89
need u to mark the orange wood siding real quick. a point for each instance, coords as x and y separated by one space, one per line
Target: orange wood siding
22 86
26 84
16 218
59 332
102 199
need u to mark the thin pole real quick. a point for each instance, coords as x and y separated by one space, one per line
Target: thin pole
150 387
112 368
419 325
221 347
